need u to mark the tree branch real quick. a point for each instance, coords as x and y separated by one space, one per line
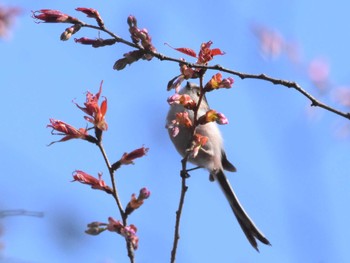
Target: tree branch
184 187
123 215
286 83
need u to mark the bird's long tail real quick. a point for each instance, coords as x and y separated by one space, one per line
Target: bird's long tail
250 230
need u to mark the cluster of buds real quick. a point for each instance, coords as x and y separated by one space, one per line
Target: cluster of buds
128 232
135 203
182 119
96 113
216 82
96 117
184 99
186 73
56 16
213 115
97 42
197 143
95 183
141 38
205 55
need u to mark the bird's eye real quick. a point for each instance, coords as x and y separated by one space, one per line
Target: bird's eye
198 93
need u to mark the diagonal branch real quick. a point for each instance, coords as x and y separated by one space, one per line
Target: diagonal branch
286 83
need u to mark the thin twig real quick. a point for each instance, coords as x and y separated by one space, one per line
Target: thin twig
129 246
117 38
184 187
114 186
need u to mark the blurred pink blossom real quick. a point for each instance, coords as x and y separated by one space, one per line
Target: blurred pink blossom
7 18
318 72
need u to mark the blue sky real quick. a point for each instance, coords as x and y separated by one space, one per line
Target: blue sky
293 170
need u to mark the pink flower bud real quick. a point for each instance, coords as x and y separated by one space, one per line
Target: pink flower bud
227 83
95 183
182 119
184 100
132 22
90 12
198 142
217 82
206 54
128 158
96 113
135 203
114 225
69 131
144 194
54 16
213 115
128 232
70 31
95 228
221 119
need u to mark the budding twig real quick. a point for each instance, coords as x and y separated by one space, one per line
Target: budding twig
184 187
286 83
153 53
124 216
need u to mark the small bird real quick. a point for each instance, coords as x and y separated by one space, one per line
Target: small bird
212 157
